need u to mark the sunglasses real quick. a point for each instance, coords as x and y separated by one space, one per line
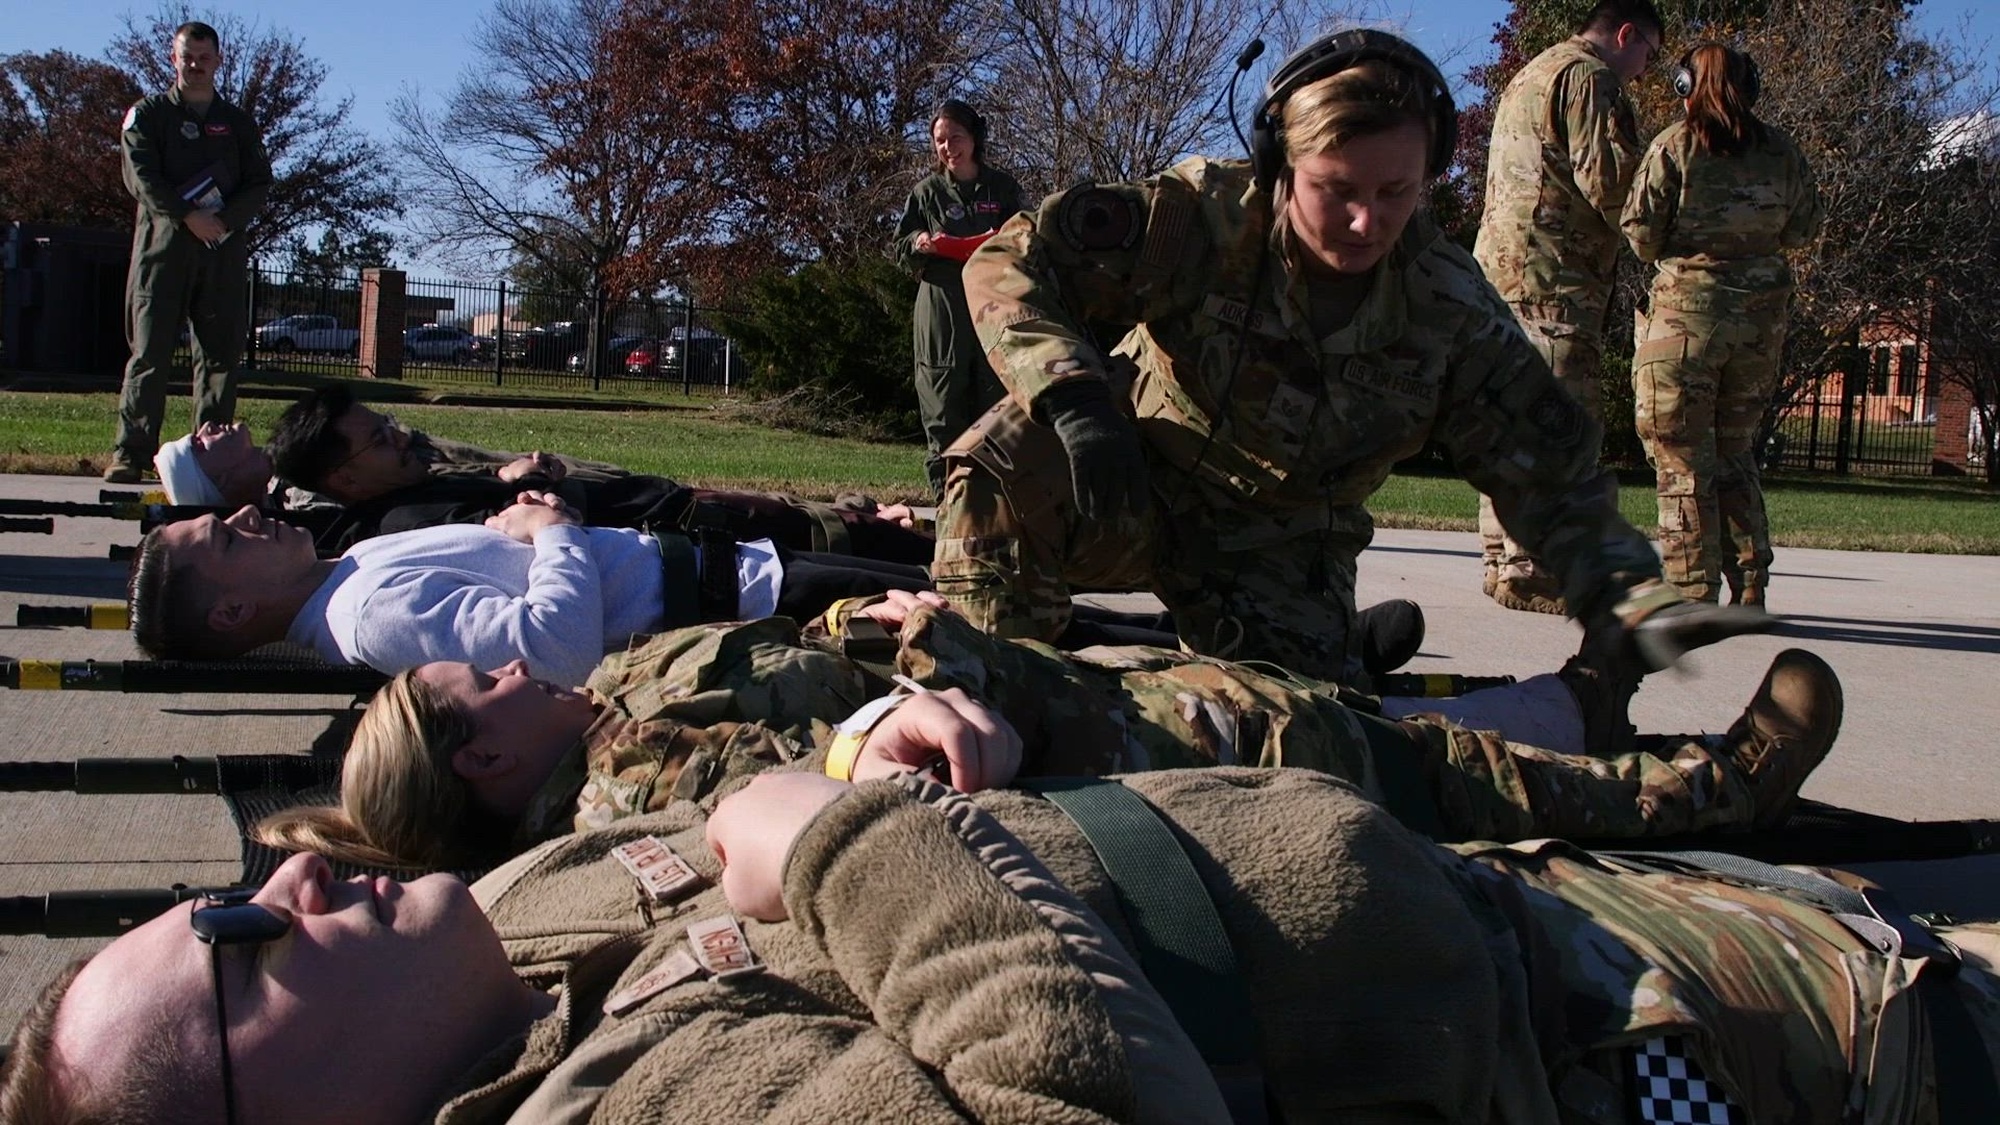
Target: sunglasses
385 432
230 918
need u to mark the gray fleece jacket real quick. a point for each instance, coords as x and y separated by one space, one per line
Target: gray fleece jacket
955 958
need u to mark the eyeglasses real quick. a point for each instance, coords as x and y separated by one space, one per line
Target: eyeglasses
385 432
230 918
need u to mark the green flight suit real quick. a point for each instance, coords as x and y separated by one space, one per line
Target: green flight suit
955 384
1707 357
174 279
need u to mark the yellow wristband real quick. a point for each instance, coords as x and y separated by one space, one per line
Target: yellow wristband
834 619
850 735
841 756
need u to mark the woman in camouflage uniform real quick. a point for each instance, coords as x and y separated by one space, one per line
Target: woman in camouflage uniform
961 201
1297 327
1718 199
453 767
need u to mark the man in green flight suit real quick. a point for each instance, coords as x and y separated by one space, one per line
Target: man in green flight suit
197 166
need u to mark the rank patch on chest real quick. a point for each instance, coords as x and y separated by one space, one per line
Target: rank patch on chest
954 212
1099 219
190 130
662 874
680 965
1290 410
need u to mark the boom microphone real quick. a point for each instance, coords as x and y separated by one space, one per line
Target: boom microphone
1244 58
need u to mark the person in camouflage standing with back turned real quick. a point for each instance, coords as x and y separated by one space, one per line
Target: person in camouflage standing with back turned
197 166
1719 198
1564 148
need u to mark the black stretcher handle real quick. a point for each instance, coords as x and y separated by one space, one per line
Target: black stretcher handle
98 615
238 676
1419 685
112 775
25 525
63 914
131 509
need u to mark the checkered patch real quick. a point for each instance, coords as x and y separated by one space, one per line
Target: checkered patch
1673 1090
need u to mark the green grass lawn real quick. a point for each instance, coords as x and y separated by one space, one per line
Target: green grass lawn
697 443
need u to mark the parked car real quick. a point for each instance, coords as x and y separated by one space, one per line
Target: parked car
308 332
618 348
482 347
547 346
436 343
666 357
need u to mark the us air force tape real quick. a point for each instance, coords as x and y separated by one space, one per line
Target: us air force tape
721 947
661 873
1096 218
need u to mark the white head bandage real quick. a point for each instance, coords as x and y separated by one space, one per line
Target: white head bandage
184 480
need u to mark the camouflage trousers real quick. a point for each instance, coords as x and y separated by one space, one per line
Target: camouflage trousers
1702 380
1571 338
1011 549
1130 709
1796 1017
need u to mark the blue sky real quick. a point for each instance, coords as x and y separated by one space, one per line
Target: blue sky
372 48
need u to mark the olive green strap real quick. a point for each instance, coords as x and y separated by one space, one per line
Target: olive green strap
1180 941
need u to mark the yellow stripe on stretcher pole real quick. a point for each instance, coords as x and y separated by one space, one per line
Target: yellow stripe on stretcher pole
110 615
41 675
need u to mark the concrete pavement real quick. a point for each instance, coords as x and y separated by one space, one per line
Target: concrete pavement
1916 639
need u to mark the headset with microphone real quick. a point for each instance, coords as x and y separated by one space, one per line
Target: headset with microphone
1684 73
1330 55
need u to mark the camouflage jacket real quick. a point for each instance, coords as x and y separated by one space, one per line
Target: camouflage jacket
1565 145
1284 432
685 710
1719 225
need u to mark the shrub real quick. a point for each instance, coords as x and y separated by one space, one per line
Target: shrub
840 327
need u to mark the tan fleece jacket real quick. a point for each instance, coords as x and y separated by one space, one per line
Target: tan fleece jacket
937 968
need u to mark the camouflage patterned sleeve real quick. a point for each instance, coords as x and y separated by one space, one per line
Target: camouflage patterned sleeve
1656 192
1093 254
1603 138
1802 224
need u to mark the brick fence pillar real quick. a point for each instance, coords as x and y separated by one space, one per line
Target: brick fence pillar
383 319
1955 427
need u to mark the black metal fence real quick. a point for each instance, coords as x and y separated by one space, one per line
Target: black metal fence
1877 418
493 335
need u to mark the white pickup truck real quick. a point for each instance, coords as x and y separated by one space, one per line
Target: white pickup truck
308 332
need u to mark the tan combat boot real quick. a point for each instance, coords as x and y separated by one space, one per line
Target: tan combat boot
1785 732
1527 587
123 470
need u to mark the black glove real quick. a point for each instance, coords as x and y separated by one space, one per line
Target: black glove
1663 636
1107 466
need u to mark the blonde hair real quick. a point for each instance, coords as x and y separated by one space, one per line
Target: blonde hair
1371 97
401 803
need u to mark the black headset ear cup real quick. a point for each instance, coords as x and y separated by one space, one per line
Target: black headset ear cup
1331 54
1753 81
1684 77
